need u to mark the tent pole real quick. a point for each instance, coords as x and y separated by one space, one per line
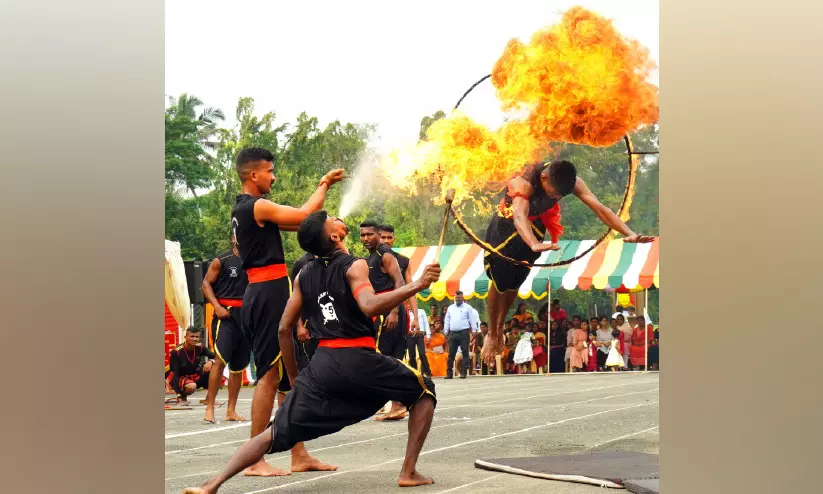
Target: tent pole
646 332
549 327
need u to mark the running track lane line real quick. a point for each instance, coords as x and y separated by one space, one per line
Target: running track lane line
497 436
405 433
207 446
248 423
471 483
623 437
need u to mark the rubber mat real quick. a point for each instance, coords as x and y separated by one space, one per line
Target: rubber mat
643 486
604 469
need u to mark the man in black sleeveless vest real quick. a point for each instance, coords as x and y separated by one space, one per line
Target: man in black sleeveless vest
256 224
530 205
385 276
347 379
224 286
189 365
415 344
305 344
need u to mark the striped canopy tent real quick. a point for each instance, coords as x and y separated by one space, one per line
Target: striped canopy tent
613 265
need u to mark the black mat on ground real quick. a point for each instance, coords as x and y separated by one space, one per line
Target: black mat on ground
642 486
605 469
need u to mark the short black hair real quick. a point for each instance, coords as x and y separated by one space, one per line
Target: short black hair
192 329
578 317
386 228
311 235
563 175
369 224
556 301
458 292
248 156
615 333
484 322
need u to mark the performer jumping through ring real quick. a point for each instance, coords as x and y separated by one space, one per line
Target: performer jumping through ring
526 213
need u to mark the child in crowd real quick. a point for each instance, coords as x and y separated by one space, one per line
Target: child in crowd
615 359
592 362
523 352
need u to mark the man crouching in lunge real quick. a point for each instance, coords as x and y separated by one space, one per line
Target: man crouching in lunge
346 380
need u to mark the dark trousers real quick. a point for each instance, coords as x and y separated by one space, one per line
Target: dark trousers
458 338
417 345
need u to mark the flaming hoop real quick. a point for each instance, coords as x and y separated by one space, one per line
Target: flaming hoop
623 211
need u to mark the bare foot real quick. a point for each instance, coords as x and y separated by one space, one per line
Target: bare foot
235 417
209 417
196 490
263 469
310 464
398 414
413 480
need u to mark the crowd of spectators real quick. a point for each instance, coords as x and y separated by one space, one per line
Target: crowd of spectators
550 341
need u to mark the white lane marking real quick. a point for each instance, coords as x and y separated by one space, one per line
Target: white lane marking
405 433
624 437
247 424
545 395
471 483
445 448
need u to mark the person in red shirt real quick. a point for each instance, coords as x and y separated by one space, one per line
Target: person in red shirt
557 313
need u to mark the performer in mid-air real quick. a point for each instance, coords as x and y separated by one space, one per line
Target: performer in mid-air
529 210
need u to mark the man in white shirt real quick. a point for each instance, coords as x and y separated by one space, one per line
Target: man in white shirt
416 343
461 319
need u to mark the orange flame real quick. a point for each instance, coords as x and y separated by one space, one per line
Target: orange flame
579 81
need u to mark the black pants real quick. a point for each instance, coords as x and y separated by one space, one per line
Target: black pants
458 338
417 345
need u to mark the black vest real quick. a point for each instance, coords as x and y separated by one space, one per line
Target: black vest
328 302
258 246
232 281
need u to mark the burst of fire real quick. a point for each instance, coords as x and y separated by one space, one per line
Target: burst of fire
579 82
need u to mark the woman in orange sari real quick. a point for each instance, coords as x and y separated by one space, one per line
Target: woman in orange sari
437 350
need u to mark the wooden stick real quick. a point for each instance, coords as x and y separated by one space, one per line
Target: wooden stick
449 200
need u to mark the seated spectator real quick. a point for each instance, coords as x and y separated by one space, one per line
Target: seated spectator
521 314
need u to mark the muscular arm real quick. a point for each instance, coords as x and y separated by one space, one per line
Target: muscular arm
287 217
291 314
372 304
606 215
211 277
392 267
520 207
412 302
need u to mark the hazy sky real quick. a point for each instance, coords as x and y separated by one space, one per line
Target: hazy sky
361 61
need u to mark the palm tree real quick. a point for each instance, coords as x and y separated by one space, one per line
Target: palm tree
207 117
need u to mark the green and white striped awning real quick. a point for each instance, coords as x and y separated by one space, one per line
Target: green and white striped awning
612 265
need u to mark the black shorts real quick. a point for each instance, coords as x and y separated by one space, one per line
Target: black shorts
392 342
502 235
341 387
201 380
229 343
263 306
303 352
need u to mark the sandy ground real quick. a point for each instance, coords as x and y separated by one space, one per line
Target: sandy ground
476 418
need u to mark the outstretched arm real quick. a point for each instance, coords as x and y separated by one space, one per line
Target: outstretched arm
392 267
287 216
372 304
606 215
284 334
